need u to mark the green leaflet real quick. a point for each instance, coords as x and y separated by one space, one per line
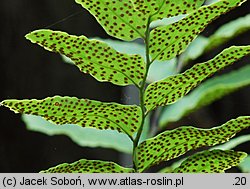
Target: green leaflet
118 18
167 21
123 47
172 144
171 89
82 112
245 165
160 70
159 9
85 137
194 50
168 41
205 94
216 161
89 166
225 33
232 143
93 56
229 31
157 71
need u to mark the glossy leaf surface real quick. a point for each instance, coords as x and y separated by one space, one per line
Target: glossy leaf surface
82 112
83 136
205 94
216 161
166 21
225 33
229 31
233 143
229 145
245 165
93 57
172 144
195 49
171 89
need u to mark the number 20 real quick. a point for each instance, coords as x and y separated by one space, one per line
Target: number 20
240 181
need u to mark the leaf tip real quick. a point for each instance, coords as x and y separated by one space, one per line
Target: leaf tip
3 103
30 35
36 34
27 35
9 104
243 155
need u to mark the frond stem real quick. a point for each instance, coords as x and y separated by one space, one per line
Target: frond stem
141 91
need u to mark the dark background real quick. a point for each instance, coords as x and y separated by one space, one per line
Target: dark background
28 71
